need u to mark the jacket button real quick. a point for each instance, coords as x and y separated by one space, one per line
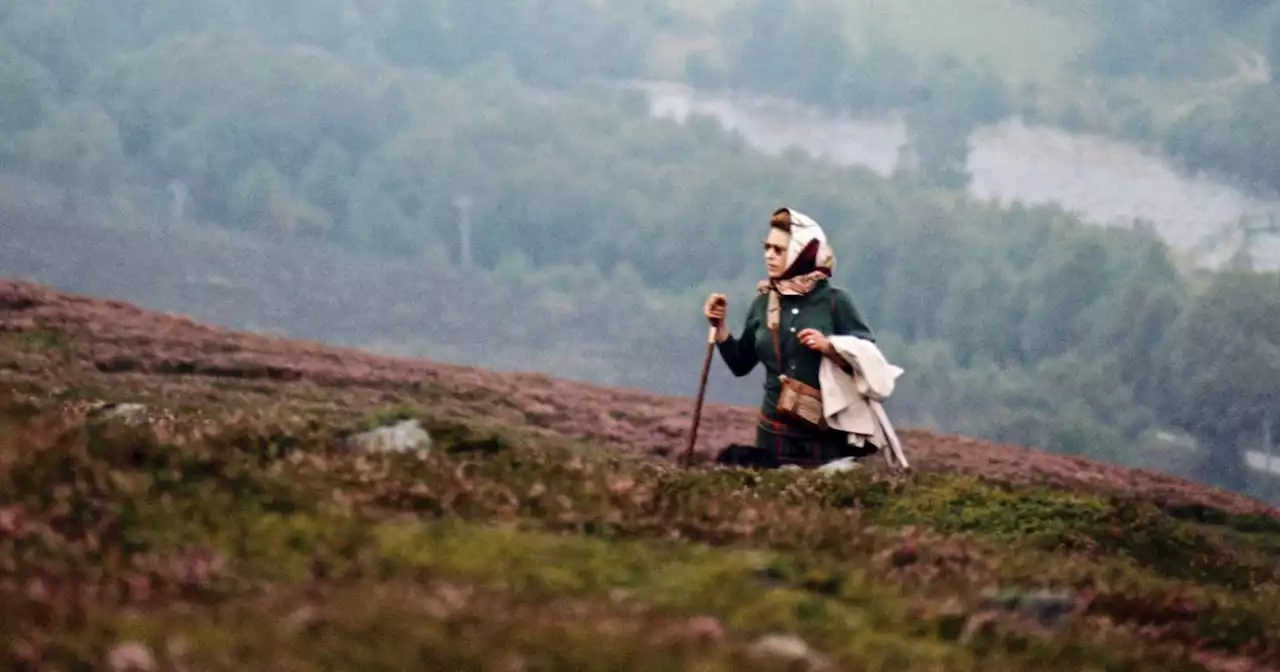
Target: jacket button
795 311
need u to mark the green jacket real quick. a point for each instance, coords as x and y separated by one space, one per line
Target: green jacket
827 308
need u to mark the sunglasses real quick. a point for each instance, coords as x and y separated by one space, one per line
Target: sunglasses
776 249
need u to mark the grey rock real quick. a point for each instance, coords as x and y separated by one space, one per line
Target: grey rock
404 437
129 413
789 649
131 657
1049 608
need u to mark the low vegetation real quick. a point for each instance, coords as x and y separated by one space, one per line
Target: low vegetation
228 523
118 114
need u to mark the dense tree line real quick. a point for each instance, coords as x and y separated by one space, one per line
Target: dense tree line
363 122
1152 40
1235 135
802 50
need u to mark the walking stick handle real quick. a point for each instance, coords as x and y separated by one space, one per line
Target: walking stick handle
715 323
702 389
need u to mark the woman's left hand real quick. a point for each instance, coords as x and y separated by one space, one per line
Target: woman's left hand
814 340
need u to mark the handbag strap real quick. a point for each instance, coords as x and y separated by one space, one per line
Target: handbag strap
777 349
839 361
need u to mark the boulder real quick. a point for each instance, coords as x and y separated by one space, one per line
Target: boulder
403 437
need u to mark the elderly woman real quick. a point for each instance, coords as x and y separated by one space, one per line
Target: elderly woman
786 329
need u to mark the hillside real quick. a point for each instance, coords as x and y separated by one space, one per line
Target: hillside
303 169
234 527
317 289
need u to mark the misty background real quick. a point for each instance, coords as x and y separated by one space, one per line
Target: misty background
1058 216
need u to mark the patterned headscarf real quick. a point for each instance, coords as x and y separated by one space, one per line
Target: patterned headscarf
810 259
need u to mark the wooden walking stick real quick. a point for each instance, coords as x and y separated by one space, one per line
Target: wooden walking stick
702 389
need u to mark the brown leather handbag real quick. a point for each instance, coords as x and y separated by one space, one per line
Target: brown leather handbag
798 402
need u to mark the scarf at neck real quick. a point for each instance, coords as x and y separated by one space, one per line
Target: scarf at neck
797 286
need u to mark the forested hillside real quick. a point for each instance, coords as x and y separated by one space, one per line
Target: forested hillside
361 123
1191 77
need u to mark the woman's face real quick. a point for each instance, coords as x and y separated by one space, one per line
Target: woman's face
775 251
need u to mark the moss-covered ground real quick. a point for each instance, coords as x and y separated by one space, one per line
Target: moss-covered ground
230 525
257 539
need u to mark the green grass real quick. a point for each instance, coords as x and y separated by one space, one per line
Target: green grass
15 345
270 543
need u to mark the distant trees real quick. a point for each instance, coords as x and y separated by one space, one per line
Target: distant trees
1223 367
549 42
825 63
803 50
1241 139
1192 39
792 48
1165 38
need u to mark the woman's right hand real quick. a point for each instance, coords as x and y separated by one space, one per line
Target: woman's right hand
714 310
